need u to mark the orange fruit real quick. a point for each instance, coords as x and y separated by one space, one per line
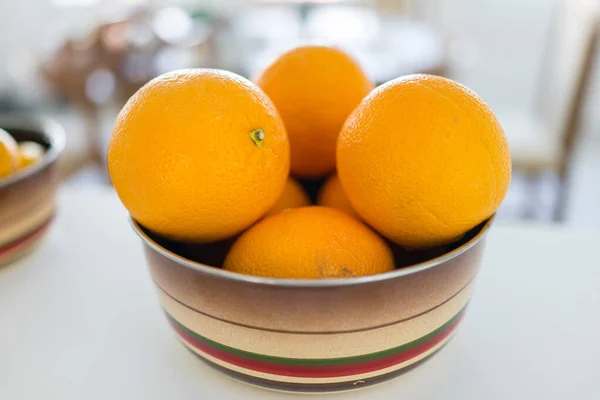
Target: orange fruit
198 155
8 154
293 196
332 195
30 153
422 160
309 243
314 88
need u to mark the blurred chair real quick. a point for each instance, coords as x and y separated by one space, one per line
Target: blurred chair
543 141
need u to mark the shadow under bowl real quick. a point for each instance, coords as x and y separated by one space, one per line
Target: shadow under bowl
315 335
27 198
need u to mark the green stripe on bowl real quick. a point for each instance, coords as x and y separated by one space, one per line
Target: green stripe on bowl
316 361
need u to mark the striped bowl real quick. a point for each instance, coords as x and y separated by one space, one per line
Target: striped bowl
27 197
314 335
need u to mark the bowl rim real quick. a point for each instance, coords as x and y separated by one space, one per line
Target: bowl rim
310 283
52 130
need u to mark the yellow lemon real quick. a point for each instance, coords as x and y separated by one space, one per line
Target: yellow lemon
8 154
30 153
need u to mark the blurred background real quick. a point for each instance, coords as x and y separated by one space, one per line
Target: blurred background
536 62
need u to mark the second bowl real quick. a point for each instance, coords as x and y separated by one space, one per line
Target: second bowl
27 198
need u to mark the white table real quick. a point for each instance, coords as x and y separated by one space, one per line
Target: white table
79 320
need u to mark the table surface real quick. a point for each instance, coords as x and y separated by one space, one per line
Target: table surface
79 320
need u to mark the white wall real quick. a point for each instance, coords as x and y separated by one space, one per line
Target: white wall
497 43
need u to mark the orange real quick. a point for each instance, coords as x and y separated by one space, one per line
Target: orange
423 159
30 153
332 195
314 88
293 196
198 155
8 154
309 243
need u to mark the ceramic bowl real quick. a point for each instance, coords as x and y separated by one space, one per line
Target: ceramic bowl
314 335
27 198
